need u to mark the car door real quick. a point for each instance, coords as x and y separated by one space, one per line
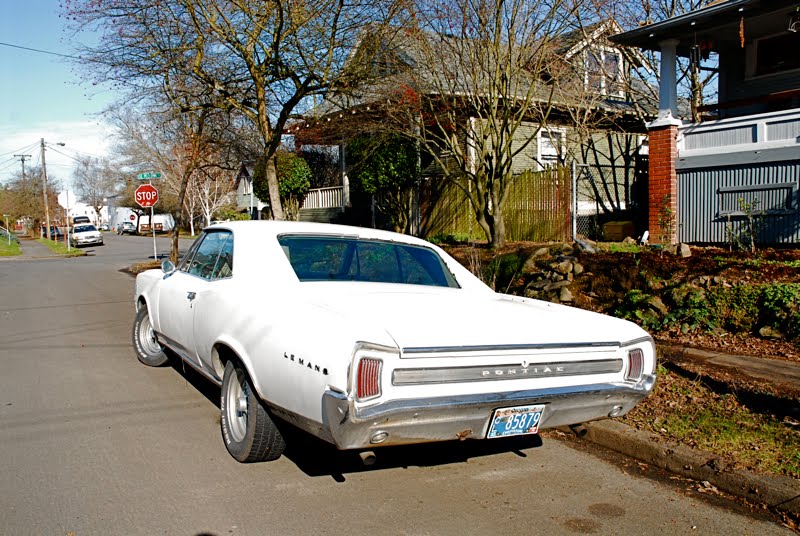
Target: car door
185 289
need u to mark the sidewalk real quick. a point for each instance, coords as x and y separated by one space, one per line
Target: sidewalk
777 492
31 249
778 371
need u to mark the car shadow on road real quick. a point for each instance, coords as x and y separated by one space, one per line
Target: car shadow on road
316 457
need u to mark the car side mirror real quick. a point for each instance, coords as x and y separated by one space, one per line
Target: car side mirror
167 267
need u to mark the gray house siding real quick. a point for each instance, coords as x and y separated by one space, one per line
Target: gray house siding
709 201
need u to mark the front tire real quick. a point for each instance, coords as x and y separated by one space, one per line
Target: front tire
148 349
249 433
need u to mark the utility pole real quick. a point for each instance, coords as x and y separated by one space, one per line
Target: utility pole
44 193
22 158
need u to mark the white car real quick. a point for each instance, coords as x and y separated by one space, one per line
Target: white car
85 235
367 338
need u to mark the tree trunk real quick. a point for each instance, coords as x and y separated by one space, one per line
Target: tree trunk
274 191
179 213
498 229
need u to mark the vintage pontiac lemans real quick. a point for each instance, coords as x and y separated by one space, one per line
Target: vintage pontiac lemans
367 338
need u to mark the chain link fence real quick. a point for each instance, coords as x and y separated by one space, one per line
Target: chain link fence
610 201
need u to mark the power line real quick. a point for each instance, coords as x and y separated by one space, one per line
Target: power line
40 51
23 150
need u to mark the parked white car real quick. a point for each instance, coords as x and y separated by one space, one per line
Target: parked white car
85 235
367 338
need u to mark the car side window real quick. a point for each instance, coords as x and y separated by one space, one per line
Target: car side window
212 257
186 260
224 265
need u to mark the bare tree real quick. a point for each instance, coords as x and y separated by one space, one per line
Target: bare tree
95 180
187 148
261 59
210 190
472 86
22 198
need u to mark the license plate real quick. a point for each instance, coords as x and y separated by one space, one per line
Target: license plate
519 420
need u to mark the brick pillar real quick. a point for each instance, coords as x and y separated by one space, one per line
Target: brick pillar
662 180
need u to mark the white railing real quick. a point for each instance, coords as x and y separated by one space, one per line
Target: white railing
748 133
324 198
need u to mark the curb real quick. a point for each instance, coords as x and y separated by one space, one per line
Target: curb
777 492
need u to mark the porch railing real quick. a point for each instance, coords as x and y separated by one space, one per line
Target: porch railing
752 132
324 198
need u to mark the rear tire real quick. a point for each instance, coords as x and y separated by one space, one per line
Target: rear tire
148 349
249 433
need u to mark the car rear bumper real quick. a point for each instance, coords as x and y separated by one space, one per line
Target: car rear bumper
400 422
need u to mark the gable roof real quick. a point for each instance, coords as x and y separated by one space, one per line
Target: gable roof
402 52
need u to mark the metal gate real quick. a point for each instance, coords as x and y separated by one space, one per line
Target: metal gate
608 193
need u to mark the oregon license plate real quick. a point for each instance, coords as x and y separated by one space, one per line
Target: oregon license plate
519 420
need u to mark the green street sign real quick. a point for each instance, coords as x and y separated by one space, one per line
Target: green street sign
150 175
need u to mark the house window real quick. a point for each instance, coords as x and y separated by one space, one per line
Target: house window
603 72
778 53
550 147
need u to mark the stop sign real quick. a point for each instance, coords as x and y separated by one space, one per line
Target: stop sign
146 195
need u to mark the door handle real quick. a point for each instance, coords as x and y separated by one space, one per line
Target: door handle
191 296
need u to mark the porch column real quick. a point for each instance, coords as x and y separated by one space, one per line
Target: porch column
345 178
663 151
668 90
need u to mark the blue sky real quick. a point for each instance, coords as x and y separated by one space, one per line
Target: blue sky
42 95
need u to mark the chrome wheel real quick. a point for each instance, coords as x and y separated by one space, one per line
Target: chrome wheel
147 337
248 430
148 350
236 406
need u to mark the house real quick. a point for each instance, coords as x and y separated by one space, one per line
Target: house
743 160
246 200
573 108
320 204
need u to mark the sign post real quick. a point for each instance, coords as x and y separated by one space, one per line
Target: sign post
66 199
146 196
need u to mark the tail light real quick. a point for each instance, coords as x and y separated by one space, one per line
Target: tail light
635 364
368 381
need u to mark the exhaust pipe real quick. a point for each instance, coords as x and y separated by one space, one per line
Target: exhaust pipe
579 430
367 457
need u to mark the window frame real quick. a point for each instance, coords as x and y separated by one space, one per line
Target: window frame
600 51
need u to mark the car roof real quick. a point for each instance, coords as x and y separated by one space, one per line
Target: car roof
262 235
272 228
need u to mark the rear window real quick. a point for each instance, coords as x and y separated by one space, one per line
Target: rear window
324 258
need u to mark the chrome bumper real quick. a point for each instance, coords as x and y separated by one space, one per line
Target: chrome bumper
399 422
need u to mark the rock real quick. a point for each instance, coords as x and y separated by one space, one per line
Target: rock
684 250
628 241
577 268
585 246
657 305
563 267
565 295
566 249
768 332
539 285
554 285
541 252
530 265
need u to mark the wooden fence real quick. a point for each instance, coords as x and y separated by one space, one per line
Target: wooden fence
538 208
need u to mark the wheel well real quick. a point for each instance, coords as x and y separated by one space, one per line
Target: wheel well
220 357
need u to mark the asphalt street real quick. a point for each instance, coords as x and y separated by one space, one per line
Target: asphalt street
94 443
